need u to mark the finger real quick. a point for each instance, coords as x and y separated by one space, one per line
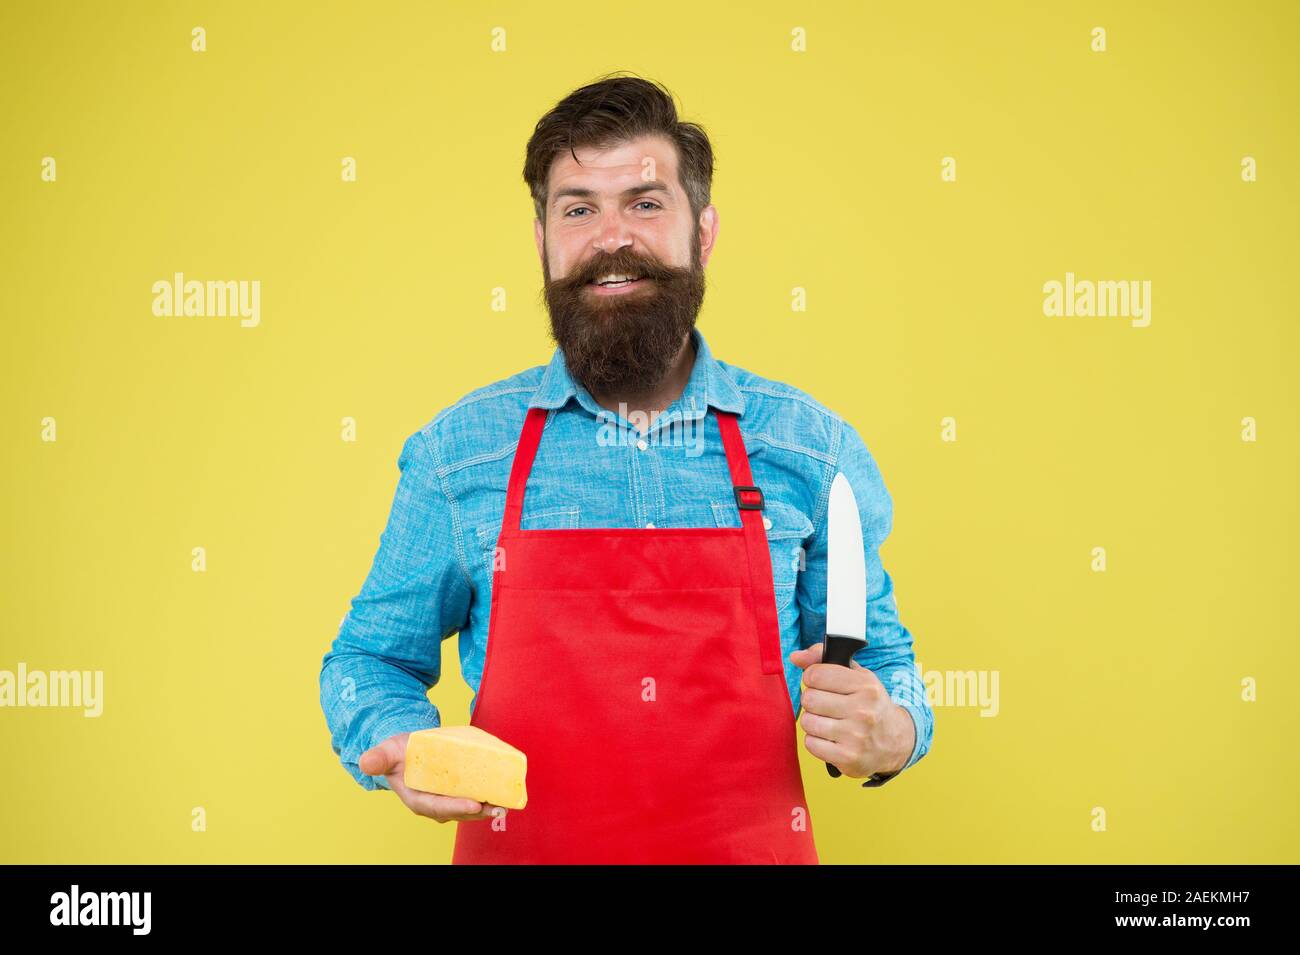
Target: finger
828 703
442 808
827 728
489 812
826 751
447 808
807 656
840 679
379 760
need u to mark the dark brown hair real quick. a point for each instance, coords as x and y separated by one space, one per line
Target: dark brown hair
613 110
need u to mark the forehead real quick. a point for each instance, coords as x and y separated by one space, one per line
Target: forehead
615 166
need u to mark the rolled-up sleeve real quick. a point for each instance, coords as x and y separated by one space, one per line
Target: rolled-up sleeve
375 678
889 652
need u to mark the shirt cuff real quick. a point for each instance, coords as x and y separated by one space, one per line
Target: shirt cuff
913 712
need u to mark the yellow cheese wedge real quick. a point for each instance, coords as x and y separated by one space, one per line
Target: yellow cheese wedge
468 762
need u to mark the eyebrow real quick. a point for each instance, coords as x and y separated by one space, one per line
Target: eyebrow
654 185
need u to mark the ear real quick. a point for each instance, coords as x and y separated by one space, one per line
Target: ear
708 227
539 235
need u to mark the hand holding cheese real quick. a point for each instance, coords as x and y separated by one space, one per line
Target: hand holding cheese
388 759
466 761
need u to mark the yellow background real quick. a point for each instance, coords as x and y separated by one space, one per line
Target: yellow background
1118 690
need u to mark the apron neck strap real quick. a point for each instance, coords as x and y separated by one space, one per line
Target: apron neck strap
749 499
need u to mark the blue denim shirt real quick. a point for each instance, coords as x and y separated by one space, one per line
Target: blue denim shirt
432 574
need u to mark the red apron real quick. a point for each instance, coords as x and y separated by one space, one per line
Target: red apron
640 671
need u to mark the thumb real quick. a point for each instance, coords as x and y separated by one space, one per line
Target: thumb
378 761
807 656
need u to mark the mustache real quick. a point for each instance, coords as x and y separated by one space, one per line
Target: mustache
621 264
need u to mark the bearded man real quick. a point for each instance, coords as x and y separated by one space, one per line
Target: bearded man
643 618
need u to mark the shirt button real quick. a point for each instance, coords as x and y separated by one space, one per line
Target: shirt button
641 445
650 524
767 523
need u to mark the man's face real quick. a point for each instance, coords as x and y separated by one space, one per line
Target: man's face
622 212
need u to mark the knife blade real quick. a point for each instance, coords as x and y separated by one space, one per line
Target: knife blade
846 580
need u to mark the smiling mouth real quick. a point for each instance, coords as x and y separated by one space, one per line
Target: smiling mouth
623 287
624 283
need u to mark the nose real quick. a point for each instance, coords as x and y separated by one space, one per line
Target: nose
612 235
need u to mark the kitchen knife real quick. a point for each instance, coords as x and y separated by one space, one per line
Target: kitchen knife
846 580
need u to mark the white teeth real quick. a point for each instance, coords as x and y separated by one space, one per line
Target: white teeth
614 278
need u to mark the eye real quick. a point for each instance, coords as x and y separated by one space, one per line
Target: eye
653 205
572 211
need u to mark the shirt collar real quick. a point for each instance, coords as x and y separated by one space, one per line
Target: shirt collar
709 384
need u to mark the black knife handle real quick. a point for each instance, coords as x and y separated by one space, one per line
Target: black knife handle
839 650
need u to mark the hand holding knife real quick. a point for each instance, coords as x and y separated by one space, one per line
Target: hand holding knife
846 589
846 580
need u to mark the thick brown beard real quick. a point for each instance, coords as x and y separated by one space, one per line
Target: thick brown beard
624 344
